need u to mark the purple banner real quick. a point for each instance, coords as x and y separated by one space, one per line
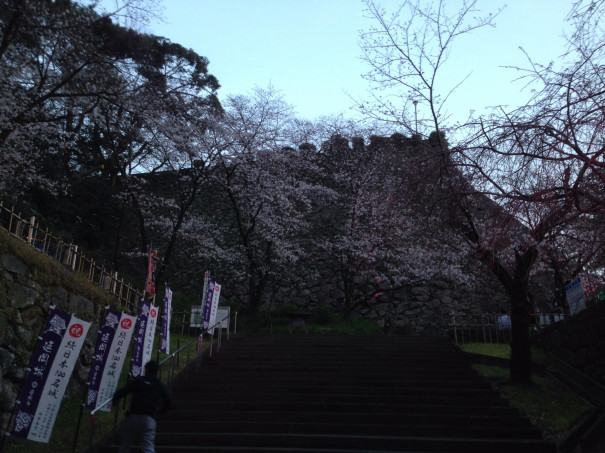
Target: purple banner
136 367
115 359
39 367
52 364
206 278
207 305
166 313
107 332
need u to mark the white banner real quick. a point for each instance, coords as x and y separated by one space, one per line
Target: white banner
213 310
166 315
115 359
149 336
58 377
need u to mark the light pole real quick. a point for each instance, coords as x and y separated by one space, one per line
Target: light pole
416 114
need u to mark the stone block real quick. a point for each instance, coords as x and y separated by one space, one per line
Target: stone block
22 296
421 291
81 305
13 264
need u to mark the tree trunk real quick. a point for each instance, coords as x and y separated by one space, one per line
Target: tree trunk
516 286
520 346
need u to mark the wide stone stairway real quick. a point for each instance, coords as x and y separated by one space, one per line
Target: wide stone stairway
307 393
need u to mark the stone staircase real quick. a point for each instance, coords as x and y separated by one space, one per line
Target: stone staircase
313 394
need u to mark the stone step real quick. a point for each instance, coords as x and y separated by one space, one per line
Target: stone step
367 429
340 364
318 387
353 442
329 395
277 407
216 413
315 394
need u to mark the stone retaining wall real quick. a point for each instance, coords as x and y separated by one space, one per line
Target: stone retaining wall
24 308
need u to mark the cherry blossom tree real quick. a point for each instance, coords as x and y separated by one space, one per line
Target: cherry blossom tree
500 188
66 68
86 103
269 188
375 233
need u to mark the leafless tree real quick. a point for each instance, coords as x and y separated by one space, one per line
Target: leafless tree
515 184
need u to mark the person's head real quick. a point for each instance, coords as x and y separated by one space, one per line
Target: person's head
151 368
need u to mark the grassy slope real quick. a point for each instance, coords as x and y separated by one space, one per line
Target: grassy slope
548 403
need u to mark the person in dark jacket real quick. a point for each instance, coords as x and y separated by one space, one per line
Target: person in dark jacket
150 398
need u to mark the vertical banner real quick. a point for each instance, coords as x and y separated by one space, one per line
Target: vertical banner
112 347
111 318
215 298
136 366
152 322
206 278
207 305
166 314
51 366
152 261
575 296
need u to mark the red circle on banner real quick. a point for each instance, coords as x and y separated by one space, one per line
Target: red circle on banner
126 323
154 313
76 330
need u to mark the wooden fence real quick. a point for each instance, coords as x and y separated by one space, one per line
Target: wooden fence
69 255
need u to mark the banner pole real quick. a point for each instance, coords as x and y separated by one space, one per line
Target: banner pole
75 445
83 405
211 341
8 425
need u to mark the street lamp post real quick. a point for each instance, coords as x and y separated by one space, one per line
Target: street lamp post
416 114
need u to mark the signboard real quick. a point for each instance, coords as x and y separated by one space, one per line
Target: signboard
195 319
223 314
575 296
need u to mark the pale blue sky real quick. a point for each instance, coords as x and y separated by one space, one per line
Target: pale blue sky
308 49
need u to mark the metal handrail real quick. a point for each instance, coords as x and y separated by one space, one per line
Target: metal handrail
96 409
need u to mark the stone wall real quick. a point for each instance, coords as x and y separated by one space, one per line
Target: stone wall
25 299
423 308
579 341
426 309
